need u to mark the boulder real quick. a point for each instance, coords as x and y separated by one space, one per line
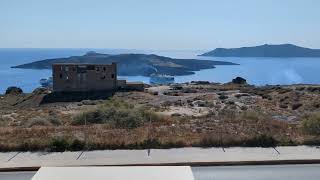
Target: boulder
296 106
14 90
239 80
41 90
199 103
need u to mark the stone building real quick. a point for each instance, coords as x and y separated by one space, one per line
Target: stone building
84 77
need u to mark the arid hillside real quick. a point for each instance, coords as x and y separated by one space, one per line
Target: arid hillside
192 114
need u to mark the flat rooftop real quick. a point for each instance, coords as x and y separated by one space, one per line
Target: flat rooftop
82 64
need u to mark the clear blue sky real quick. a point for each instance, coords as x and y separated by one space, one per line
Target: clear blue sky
158 24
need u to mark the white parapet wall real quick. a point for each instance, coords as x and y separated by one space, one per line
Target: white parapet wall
180 156
115 173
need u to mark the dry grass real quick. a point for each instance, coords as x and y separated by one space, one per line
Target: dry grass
118 114
109 126
249 129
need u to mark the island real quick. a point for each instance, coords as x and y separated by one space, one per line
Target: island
281 50
134 64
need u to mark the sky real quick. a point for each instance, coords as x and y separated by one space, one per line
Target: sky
158 24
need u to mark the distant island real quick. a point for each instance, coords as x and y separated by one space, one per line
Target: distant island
281 50
133 64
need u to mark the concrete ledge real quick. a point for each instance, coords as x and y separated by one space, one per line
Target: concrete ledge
27 161
193 164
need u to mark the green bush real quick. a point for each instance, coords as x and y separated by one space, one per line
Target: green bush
118 114
311 124
312 141
261 141
77 145
54 120
229 141
93 116
210 141
287 142
62 144
59 145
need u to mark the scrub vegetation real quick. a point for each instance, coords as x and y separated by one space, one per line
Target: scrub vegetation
197 114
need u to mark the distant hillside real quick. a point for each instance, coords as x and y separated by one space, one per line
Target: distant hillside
282 50
133 64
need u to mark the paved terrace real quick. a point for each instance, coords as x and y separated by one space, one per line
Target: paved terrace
180 156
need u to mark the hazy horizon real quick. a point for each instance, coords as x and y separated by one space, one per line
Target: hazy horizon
144 49
158 25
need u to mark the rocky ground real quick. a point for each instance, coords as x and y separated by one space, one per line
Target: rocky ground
195 114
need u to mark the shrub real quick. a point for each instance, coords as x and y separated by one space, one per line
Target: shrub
261 141
94 116
222 97
77 145
287 142
151 143
14 90
37 122
283 106
210 141
127 119
150 115
54 120
296 106
266 96
220 140
312 141
3 122
250 116
311 124
58 145
118 114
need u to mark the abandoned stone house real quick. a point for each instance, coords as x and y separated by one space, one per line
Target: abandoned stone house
84 77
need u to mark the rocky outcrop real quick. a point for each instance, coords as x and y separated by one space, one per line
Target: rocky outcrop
13 90
239 80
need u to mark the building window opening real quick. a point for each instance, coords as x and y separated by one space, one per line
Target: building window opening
104 68
60 75
103 77
112 76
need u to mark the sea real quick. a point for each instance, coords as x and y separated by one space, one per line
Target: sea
257 71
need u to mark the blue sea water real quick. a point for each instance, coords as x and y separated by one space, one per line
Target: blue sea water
258 71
